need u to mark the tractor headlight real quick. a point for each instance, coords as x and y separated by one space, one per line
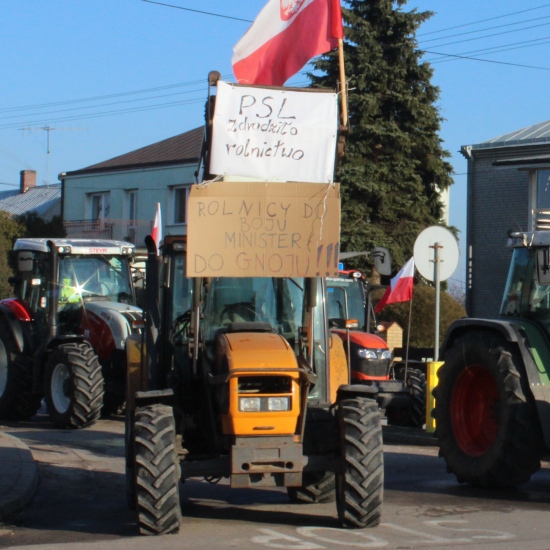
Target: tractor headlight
278 403
385 354
367 353
250 404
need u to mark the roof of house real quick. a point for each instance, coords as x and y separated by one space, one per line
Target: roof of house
36 199
536 133
181 149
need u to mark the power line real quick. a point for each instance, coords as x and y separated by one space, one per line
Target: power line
198 11
489 61
491 35
489 29
485 20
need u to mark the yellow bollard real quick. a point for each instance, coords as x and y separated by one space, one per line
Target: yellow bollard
431 383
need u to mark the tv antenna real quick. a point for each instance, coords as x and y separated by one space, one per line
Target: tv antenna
48 129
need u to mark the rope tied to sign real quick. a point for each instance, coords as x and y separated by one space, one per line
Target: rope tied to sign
205 183
327 191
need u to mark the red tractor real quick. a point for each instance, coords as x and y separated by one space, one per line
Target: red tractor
63 335
397 388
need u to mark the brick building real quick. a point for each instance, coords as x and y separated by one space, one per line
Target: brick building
508 189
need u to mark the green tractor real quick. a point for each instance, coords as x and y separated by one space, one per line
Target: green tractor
493 395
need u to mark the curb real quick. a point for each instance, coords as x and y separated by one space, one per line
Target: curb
19 478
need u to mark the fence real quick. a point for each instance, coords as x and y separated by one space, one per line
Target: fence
133 231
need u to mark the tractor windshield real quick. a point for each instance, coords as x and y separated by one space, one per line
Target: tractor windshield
84 277
346 300
275 301
527 291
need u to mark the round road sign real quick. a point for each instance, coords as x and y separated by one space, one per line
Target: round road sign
424 252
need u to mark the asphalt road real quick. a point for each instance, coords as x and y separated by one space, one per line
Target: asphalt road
80 503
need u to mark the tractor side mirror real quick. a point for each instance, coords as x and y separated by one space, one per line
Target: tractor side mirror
382 260
25 261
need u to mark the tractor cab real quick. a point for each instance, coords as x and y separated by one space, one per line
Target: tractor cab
527 291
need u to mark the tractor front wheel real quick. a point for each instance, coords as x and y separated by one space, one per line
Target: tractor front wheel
486 420
156 470
414 415
318 487
74 386
360 478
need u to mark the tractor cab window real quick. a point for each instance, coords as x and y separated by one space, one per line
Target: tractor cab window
345 300
274 301
83 277
32 279
516 283
539 291
182 294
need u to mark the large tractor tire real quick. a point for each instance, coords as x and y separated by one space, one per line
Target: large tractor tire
486 420
156 470
17 402
318 487
130 458
360 483
414 415
74 386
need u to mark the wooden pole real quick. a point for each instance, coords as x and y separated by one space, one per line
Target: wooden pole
343 83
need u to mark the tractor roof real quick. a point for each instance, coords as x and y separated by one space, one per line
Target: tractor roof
77 246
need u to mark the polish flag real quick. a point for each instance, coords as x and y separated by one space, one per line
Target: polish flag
284 37
400 289
156 233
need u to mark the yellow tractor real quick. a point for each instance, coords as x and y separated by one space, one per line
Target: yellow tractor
241 378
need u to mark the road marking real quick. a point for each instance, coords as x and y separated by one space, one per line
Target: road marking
369 538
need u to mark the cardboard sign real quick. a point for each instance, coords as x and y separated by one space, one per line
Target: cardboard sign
274 134
258 229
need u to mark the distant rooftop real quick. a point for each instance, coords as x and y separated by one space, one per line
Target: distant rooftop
537 133
39 200
181 149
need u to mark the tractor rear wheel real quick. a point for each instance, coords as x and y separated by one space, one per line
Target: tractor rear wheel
318 487
414 415
74 386
486 420
156 470
17 401
360 483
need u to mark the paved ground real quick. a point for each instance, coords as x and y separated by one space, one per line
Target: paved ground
19 472
18 475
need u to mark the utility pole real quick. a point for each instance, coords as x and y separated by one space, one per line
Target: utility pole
48 129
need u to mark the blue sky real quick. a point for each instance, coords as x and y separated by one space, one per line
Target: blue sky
109 76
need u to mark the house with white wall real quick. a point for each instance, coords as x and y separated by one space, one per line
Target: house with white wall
117 198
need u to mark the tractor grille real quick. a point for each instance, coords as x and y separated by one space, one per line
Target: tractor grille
264 384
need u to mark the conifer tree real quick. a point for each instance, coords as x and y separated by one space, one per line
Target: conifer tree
394 166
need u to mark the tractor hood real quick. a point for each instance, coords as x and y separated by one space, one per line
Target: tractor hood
108 324
362 339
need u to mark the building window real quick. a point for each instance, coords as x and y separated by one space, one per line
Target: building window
543 189
100 206
180 204
132 205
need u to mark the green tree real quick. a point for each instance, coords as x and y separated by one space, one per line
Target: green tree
394 166
423 315
10 230
36 226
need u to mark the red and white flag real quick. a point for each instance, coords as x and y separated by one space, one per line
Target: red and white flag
156 233
400 289
284 37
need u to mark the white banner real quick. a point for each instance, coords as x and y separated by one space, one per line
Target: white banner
274 134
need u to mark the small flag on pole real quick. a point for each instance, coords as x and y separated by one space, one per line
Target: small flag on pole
156 233
400 289
284 37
